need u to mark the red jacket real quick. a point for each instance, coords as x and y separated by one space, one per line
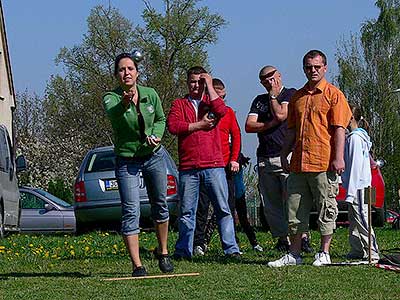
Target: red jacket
199 149
230 136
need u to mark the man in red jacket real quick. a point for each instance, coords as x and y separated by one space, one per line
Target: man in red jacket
231 144
193 119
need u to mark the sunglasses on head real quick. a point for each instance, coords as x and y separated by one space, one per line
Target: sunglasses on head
266 76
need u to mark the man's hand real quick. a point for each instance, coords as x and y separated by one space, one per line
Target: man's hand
206 123
209 88
338 165
275 87
207 79
234 166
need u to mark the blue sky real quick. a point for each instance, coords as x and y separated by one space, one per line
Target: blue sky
259 33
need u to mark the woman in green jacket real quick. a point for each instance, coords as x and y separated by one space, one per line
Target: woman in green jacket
138 123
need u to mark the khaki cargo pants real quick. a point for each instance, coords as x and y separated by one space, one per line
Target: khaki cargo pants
306 190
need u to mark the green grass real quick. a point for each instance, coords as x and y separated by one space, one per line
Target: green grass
72 267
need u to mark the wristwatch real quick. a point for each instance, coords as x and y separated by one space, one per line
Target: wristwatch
273 96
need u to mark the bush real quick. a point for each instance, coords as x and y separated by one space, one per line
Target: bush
61 189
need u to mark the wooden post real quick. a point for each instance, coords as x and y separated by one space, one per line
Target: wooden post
369 198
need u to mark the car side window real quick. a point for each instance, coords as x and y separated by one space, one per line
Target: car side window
30 201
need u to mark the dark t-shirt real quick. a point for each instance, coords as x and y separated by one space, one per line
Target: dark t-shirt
271 140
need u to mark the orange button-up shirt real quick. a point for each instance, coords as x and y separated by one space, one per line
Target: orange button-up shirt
313 115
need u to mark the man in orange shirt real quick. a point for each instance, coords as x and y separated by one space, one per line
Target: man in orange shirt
317 117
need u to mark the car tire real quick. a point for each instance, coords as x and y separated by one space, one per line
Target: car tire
378 217
2 230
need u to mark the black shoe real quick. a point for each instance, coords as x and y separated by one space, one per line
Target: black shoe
139 272
234 256
178 257
165 263
282 246
306 246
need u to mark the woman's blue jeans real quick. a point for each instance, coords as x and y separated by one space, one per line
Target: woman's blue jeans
155 178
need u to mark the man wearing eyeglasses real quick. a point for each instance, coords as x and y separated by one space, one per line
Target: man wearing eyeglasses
317 117
267 118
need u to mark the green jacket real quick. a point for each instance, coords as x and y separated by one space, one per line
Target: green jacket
127 140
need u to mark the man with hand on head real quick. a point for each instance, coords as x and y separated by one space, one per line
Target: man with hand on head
267 118
193 119
231 144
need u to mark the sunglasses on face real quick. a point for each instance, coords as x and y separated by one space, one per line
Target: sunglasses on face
310 67
267 76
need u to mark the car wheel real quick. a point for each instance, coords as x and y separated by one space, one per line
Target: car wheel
378 217
2 230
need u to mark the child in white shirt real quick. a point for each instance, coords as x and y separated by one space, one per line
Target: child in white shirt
356 177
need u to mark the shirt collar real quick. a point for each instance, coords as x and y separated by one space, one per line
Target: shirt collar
320 86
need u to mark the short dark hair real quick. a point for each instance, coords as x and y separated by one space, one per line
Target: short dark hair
195 70
218 82
315 53
122 56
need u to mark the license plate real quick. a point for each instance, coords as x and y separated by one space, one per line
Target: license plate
111 184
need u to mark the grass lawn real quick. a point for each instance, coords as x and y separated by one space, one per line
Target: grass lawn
72 267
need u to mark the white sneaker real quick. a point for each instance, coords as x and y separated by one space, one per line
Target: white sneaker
286 260
198 251
258 248
321 258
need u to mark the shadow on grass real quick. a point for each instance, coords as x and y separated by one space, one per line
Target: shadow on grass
7 276
227 260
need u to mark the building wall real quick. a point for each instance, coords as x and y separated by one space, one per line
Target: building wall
7 97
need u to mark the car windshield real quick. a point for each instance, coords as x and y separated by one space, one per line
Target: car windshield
53 198
101 161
